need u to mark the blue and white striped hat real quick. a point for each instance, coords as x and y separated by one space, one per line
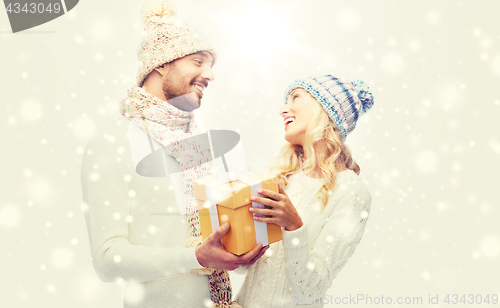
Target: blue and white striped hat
344 100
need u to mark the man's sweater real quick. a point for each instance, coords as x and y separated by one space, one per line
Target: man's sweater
135 228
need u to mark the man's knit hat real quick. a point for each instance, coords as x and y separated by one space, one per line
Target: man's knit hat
167 38
344 100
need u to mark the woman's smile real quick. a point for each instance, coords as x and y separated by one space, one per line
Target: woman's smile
288 121
296 116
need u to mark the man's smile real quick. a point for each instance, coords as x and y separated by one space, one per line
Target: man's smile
199 88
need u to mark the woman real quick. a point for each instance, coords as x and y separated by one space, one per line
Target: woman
323 207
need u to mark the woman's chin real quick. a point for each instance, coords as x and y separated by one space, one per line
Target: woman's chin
291 141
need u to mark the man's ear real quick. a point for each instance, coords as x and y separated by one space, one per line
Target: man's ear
162 69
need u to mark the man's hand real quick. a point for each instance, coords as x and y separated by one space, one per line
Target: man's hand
211 252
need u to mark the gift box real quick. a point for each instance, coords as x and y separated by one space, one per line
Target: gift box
229 202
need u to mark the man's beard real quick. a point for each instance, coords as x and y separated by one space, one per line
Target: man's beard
178 94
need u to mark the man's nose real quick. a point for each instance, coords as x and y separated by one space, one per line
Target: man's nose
208 74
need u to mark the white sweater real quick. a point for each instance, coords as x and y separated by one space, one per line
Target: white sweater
302 267
135 228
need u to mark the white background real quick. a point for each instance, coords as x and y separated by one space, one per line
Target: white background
428 149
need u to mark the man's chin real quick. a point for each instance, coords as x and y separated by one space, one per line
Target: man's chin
186 102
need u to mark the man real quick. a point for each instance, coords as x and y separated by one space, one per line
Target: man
138 222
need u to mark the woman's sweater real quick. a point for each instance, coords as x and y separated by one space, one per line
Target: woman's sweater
302 266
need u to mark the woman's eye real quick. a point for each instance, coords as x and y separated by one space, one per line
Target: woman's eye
198 62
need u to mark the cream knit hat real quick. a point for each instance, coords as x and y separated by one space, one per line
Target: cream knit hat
167 38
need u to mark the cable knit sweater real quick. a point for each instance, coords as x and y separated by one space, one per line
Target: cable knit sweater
302 267
135 228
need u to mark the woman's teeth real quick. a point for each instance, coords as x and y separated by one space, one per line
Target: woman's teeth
289 121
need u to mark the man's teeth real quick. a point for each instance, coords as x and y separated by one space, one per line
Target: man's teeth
199 88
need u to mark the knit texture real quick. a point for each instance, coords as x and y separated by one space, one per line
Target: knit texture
135 229
309 258
167 38
344 100
173 128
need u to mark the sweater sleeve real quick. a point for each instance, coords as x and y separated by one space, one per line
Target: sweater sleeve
310 270
105 195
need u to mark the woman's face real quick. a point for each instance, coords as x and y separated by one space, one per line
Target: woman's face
296 116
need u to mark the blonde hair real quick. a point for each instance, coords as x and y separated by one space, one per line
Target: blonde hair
295 158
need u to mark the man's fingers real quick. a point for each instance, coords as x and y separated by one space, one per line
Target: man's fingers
260 254
220 232
246 258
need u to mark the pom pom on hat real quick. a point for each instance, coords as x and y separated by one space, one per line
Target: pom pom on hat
156 8
363 93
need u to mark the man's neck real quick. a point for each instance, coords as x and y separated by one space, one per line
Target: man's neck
154 91
153 85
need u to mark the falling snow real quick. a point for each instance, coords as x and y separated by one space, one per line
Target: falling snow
429 150
392 63
10 216
348 19
31 110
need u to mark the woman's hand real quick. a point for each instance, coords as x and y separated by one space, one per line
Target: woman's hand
280 209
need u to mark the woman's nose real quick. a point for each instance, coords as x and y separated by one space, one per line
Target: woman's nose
284 110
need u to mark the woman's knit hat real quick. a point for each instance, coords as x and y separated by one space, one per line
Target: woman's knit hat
344 100
167 38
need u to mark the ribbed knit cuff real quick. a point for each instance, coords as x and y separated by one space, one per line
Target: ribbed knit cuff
296 243
189 255
296 238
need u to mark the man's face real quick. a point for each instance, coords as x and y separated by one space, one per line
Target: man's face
186 79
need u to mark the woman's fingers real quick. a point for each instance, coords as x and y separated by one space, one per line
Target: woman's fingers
282 190
265 219
270 194
265 201
258 211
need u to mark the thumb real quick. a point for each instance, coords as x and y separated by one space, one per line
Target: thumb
220 231
281 190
